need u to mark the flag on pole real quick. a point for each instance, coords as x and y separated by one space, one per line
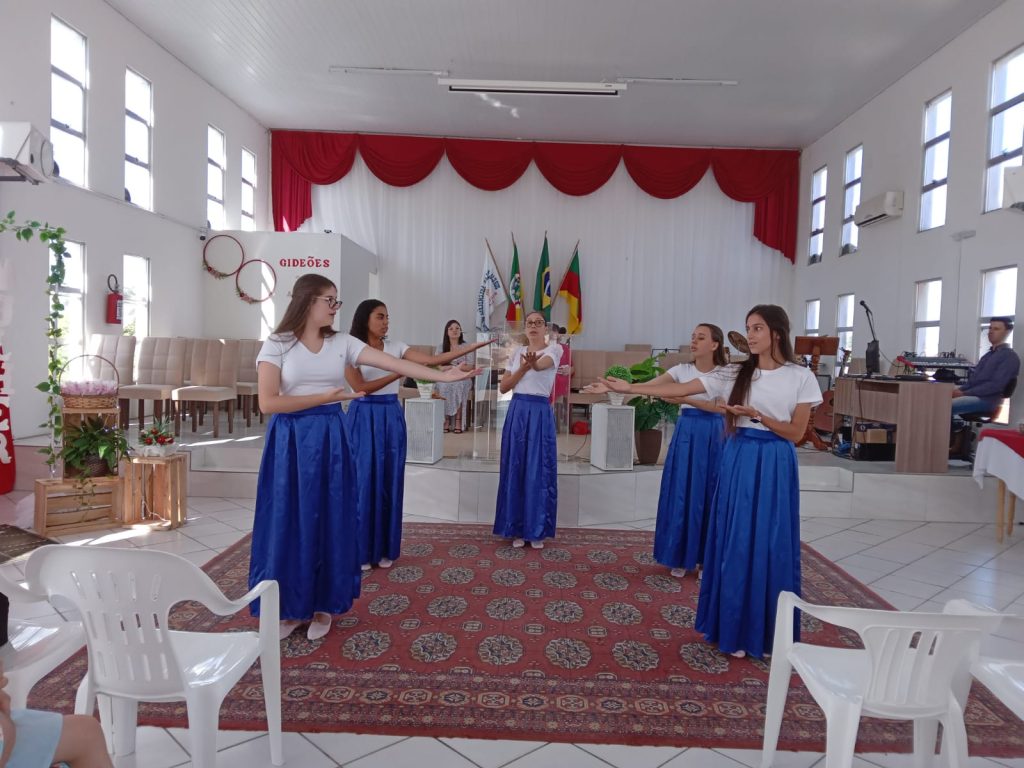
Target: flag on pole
514 313
491 292
542 290
571 290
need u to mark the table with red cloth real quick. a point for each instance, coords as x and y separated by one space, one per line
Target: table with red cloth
1001 454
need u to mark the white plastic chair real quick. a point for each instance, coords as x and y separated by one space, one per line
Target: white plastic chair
1004 677
34 648
124 597
906 671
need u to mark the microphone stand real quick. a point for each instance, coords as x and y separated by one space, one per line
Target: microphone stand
871 354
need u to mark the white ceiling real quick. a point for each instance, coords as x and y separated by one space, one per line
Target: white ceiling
803 65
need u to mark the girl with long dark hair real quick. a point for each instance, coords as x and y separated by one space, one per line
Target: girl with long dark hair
456 395
306 499
752 551
376 425
528 476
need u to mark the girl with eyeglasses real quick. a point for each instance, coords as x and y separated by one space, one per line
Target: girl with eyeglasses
752 553
376 425
528 479
306 497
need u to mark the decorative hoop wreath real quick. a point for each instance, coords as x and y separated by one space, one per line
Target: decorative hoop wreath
213 270
247 298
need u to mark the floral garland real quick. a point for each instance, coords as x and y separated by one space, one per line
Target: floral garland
213 270
247 298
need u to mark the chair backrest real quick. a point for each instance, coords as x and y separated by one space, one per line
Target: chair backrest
1011 387
187 370
248 351
119 351
915 657
124 597
161 361
645 348
215 362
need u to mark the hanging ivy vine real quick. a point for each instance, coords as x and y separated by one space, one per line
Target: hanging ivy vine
53 237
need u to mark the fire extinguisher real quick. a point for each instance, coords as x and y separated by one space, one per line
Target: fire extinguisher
115 301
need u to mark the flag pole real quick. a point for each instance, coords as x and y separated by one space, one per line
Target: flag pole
567 268
500 280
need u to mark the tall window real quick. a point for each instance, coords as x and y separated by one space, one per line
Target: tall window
927 311
1006 123
816 243
248 190
853 168
68 84
138 140
72 296
215 165
937 121
998 299
844 321
812 317
136 296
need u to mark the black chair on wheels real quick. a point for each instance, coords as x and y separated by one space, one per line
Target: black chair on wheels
978 419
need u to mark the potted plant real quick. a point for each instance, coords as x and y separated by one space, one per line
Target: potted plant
618 372
92 448
426 388
158 440
649 412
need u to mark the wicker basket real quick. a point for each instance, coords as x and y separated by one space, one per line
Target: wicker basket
90 402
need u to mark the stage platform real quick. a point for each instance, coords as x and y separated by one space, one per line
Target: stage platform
463 485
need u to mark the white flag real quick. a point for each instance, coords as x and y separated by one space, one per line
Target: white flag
490 294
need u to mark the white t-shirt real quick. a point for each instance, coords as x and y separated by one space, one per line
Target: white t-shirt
307 373
685 372
395 349
536 382
774 393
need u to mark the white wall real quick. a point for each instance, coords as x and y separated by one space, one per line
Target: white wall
183 106
893 255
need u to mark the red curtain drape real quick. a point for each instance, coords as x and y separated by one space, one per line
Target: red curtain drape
767 178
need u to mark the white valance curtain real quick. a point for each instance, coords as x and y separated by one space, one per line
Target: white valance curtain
651 269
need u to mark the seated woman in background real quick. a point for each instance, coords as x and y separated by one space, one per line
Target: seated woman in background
563 376
455 393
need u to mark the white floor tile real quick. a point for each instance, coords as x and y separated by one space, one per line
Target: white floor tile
343 748
415 752
560 755
783 759
701 758
225 739
154 748
905 586
622 756
255 753
488 753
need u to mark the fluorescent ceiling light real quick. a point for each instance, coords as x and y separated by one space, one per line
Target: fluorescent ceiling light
339 68
676 81
532 86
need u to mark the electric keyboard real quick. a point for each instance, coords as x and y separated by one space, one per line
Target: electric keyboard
947 360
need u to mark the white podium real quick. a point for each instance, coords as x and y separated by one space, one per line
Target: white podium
611 436
424 425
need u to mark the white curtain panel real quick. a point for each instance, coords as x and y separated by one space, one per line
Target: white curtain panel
651 269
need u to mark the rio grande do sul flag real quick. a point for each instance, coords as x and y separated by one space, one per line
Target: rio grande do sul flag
514 313
572 291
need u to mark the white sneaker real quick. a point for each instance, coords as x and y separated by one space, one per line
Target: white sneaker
537 544
287 627
518 543
738 654
678 572
365 567
319 626
385 562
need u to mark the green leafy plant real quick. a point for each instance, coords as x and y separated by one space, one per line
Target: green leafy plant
619 372
54 239
648 411
92 448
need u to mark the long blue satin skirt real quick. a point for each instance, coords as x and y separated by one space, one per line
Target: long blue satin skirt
688 483
376 426
303 531
528 482
753 545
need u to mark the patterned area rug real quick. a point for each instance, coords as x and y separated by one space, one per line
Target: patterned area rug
587 640
17 542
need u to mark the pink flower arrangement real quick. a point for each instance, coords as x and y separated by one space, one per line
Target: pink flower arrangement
98 387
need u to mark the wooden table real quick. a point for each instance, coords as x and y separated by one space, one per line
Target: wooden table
921 411
156 489
1000 454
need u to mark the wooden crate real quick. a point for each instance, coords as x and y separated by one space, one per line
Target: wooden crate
156 489
68 506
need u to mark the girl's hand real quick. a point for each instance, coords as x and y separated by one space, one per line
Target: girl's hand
458 374
479 344
530 359
743 410
343 394
616 385
596 388
466 367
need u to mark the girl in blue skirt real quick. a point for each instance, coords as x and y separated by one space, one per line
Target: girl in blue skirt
303 530
753 545
528 479
376 427
690 475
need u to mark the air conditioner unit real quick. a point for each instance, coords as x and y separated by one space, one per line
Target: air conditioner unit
25 154
424 427
611 436
1013 189
887 205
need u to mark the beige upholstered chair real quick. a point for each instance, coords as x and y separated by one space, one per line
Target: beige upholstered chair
115 350
187 370
161 362
248 350
214 379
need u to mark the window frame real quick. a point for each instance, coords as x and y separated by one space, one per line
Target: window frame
248 216
83 86
808 330
64 293
927 144
130 115
847 248
130 300
845 329
993 112
919 324
822 198
210 161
